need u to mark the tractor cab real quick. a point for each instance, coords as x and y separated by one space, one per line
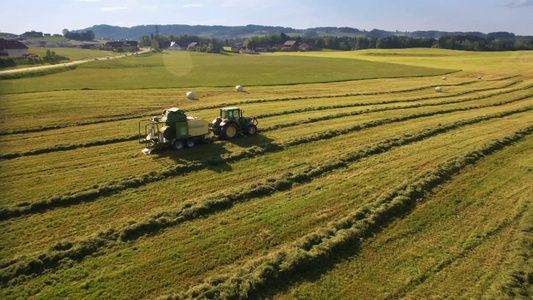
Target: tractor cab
231 113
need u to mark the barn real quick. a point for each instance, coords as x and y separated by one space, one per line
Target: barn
13 48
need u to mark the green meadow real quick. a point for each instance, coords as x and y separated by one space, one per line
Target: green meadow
363 182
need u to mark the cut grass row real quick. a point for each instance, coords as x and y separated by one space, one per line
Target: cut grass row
64 147
114 187
83 168
136 204
177 257
192 210
17 109
475 227
321 245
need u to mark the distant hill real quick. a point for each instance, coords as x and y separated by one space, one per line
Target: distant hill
243 32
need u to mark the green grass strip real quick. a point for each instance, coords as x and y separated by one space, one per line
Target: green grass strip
37 73
128 117
60 148
320 246
114 187
77 250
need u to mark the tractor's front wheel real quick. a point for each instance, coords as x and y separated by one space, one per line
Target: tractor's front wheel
178 145
251 130
230 131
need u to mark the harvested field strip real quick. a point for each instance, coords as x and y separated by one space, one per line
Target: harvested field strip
17 143
354 113
473 228
192 210
53 127
109 179
59 148
318 247
91 194
481 239
330 96
358 104
117 209
244 102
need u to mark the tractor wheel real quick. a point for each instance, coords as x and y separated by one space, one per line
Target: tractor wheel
251 130
190 143
230 131
178 145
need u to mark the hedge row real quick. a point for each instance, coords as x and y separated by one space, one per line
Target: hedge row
215 203
321 246
114 187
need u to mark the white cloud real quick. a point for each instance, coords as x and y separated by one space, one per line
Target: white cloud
194 5
519 3
107 8
153 7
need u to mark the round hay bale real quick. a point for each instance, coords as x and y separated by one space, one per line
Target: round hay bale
438 89
444 78
239 88
190 95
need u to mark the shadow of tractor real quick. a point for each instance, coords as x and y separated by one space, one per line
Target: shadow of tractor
215 156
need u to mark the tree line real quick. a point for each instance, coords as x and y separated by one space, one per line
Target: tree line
459 42
79 36
274 42
209 45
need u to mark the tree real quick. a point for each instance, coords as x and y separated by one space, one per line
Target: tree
155 44
50 56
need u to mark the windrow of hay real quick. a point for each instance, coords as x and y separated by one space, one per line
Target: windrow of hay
321 245
59 148
113 187
207 107
194 209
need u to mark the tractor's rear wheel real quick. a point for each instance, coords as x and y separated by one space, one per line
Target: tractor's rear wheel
251 130
190 143
230 131
178 145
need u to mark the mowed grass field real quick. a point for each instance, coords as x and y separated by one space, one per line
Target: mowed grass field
363 182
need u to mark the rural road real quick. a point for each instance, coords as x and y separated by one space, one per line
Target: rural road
76 62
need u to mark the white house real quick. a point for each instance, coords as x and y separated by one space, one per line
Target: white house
12 48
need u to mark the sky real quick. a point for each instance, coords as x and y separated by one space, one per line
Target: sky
52 16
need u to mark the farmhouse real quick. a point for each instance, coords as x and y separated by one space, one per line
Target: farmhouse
178 46
290 45
125 45
192 46
12 48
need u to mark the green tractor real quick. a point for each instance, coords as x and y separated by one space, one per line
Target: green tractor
232 122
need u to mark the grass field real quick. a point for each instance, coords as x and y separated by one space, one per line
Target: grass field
363 182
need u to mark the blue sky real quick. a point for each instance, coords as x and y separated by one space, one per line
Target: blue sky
52 16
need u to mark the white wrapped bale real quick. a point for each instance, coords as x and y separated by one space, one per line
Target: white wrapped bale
239 88
190 95
444 78
438 89
479 77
